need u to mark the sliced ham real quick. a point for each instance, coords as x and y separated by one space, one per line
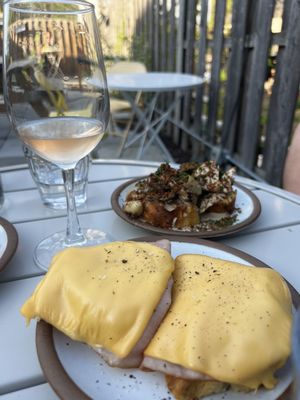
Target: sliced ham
163 244
135 357
168 368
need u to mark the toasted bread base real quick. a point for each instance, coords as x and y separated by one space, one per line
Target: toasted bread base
183 389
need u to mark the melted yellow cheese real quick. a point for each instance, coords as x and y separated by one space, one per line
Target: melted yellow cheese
226 320
103 295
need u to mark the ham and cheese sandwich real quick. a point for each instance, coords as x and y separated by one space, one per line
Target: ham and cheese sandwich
227 323
111 297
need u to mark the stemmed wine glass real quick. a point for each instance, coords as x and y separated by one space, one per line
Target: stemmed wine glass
56 95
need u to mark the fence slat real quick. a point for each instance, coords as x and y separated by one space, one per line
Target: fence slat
145 31
171 38
216 68
156 35
283 100
180 36
66 39
235 70
73 39
136 16
163 36
255 73
150 32
201 65
197 150
179 57
188 66
171 55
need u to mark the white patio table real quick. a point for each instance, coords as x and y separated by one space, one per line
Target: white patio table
273 238
153 83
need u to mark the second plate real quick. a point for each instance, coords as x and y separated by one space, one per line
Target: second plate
76 372
246 202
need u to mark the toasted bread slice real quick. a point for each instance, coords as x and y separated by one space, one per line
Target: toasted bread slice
184 389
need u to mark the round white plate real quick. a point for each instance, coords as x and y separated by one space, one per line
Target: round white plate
73 369
3 240
247 203
8 242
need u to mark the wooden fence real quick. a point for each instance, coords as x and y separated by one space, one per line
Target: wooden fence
251 52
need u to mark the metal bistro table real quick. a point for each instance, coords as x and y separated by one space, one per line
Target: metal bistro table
273 238
153 83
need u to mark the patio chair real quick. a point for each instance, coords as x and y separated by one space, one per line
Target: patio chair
121 110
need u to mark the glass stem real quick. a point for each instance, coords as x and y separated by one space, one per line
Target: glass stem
73 234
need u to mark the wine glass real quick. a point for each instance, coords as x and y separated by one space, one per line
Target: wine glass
56 95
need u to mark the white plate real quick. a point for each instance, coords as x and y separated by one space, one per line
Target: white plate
3 240
8 242
247 203
98 381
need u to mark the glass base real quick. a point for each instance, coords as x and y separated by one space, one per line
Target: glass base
50 246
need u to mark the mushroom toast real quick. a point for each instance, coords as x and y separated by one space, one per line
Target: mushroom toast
195 197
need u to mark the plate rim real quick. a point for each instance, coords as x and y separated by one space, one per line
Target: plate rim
52 368
231 230
12 243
